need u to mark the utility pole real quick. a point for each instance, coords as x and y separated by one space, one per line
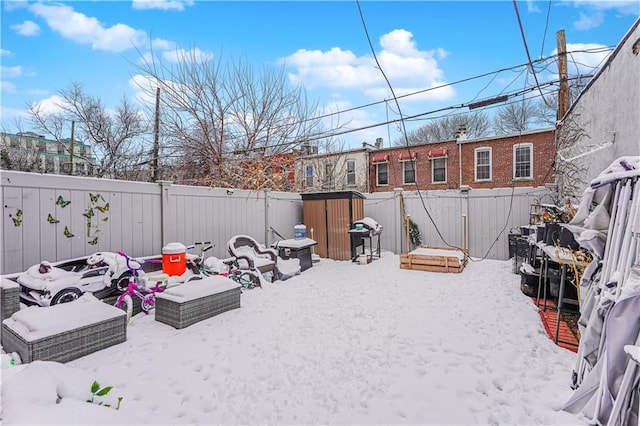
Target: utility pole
156 143
73 127
563 96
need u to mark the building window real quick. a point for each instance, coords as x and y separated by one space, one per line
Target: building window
409 171
309 176
49 165
523 161
79 168
60 148
482 164
13 141
42 146
439 170
351 172
382 174
328 174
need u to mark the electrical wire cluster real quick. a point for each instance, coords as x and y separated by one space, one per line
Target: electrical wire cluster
529 67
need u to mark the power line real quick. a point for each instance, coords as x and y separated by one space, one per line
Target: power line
526 48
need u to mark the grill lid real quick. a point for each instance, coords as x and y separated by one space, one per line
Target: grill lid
369 224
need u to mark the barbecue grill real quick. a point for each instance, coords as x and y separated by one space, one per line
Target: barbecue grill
361 231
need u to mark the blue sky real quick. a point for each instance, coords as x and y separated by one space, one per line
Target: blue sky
322 45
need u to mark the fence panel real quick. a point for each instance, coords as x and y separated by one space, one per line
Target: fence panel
62 217
54 217
383 208
493 213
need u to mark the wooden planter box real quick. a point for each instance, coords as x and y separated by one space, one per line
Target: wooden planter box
435 259
188 303
64 332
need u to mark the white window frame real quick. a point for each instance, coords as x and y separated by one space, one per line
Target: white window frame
308 177
386 163
433 169
404 171
475 164
517 146
350 173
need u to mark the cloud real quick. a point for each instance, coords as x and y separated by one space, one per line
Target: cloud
7 87
587 22
406 66
592 15
162 44
5 52
50 105
27 28
532 7
584 58
628 7
10 72
88 30
161 4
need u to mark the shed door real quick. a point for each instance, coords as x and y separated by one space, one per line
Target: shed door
339 223
314 216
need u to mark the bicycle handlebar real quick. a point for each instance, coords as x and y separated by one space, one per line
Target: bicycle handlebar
140 264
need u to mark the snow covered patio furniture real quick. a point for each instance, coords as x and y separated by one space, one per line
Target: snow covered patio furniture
196 300
252 255
64 332
9 298
435 259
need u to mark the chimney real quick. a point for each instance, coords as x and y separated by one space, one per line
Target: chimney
378 143
461 134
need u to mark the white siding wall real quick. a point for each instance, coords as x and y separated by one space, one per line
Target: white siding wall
607 112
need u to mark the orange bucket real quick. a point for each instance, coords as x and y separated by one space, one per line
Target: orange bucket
174 259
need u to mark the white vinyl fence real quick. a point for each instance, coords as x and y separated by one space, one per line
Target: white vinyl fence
54 217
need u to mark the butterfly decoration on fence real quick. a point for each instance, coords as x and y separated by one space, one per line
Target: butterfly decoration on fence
104 219
62 202
104 208
17 221
88 214
95 197
52 219
94 241
67 233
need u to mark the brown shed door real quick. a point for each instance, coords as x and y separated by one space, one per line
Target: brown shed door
313 214
339 224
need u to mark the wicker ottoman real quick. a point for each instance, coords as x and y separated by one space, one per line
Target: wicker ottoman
188 303
64 332
9 298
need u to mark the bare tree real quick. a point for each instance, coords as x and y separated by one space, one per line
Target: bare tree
444 128
546 111
569 162
515 117
115 136
221 119
23 160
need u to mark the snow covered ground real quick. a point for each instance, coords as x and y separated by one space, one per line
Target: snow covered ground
341 343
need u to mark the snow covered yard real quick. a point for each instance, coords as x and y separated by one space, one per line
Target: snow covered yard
341 343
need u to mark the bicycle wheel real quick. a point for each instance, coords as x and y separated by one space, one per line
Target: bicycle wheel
125 302
249 279
147 304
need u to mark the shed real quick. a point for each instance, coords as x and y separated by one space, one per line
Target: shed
331 215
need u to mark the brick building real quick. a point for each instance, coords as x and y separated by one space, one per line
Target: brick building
524 159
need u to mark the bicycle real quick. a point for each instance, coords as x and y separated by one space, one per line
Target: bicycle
209 267
137 287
